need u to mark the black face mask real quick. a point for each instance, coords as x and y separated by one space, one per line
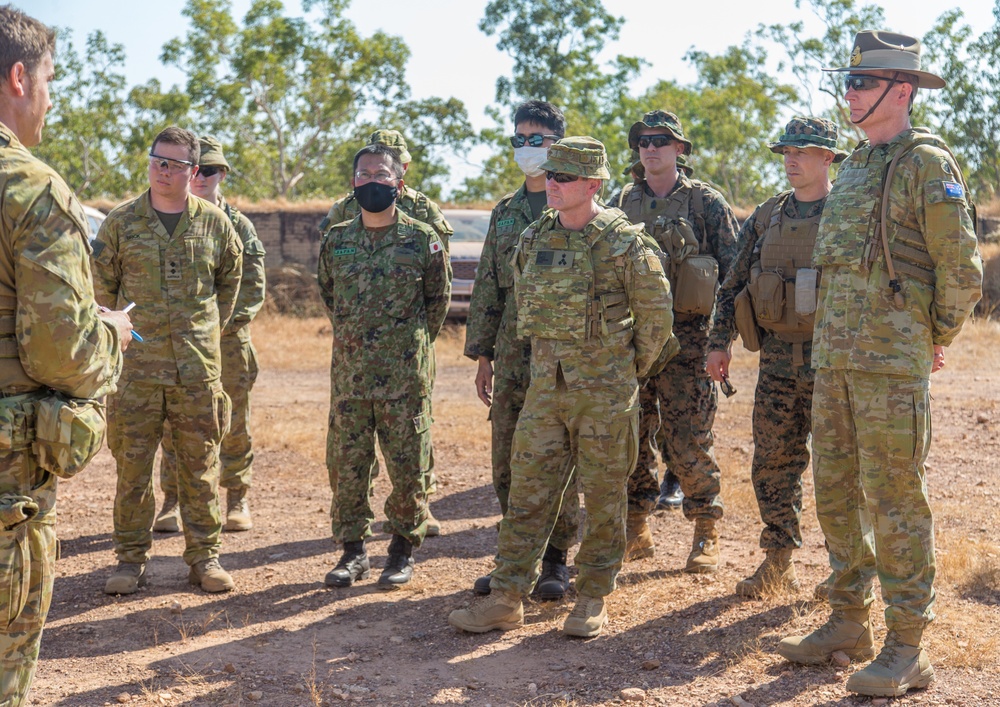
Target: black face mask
375 197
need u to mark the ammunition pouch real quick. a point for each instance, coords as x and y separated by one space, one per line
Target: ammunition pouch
17 421
68 433
746 322
610 314
694 277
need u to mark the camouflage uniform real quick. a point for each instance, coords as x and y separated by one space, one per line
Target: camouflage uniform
492 332
185 288
50 337
596 306
387 294
239 367
871 412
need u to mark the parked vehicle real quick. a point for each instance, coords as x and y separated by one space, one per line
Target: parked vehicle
466 247
95 218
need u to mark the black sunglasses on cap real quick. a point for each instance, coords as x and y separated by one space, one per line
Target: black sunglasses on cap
655 140
534 140
209 171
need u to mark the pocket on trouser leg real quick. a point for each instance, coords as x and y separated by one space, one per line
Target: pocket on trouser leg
222 412
15 574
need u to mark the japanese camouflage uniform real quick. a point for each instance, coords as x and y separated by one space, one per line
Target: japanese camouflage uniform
682 398
872 354
185 287
239 366
492 332
596 306
51 339
386 292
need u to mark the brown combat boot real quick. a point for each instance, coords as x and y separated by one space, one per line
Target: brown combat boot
237 510
127 578
847 630
901 665
587 618
433 525
209 575
169 519
498 611
638 538
776 574
704 557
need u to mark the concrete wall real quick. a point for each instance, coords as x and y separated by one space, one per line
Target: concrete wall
289 237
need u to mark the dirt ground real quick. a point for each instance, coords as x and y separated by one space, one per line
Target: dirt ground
283 638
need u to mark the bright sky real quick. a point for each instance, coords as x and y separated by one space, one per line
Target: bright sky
451 57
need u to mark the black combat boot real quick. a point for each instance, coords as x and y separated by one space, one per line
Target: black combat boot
554 580
353 565
399 565
482 585
671 496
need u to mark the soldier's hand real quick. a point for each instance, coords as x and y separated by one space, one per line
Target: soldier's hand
718 365
484 381
121 322
938 363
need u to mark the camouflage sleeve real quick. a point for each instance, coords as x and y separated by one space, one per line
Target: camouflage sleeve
487 305
324 273
252 281
951 241
722 226
105 264
62 342
437 221
651 303
336 214
724 327
228 274
437 286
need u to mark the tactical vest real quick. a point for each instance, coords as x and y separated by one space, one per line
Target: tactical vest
13 378
692 271
556 298
783 272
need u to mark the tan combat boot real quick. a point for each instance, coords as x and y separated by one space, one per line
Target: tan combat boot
433 525
587 618
638 538
128 577
169 519
209 575
901 665
847 630
704 555
776 574
499 610
237 510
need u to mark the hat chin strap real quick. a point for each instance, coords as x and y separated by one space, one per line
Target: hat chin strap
881 98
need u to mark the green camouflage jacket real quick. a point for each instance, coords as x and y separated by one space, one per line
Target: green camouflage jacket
413 203
858 324
184 286
253 280
387 295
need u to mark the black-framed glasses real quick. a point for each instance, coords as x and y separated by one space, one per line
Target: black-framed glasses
863 82
174 166
728 389
655 140
207 172
534 140
561 177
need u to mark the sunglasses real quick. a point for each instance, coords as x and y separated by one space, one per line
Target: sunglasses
863 82
561 177
535 139
174 166
728 389
207 172
655 140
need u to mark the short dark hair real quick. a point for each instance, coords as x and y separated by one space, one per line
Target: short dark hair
179 136
380 149
543 113
23 39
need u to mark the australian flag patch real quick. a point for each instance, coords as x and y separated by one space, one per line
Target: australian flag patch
953 190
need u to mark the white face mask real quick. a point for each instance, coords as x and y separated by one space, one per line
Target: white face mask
530 159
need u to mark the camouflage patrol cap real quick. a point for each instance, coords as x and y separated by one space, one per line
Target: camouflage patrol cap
211 153
393 139
582 156
659 119
888 51
682 165
809 132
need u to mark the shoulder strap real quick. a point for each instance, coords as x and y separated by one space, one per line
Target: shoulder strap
698 204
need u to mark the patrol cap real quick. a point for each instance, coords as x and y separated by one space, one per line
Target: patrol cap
211 153
393 139
582 156
810 132
682 165
888 51
659 119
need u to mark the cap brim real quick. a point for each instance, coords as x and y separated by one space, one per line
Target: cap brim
838 154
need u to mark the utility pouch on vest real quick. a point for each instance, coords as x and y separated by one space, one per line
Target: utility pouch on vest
697 281
17 421
767 291
746 322
805 291
68 433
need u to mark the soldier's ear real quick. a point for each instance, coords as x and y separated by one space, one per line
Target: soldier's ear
14 82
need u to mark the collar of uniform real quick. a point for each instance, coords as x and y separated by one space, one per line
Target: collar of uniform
520 200
8 136
683 182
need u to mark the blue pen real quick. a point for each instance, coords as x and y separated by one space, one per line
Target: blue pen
135 334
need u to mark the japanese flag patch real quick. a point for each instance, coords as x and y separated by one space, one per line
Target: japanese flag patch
953 190
436 247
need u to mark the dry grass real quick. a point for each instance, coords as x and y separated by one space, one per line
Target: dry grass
292 343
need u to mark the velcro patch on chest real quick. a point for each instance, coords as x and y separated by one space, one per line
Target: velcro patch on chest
505 225
173 268
555 258
341 252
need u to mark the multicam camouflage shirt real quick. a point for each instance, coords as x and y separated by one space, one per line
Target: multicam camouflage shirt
253 280
411 202
858 324
184 286
775 354
492 324
386 292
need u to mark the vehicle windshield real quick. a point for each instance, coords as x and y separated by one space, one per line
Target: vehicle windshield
469 227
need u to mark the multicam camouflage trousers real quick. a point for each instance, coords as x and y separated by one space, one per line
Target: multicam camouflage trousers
199 416
403 427
871 436
239 373
27 567
508 401
781 422
602 425
687 405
